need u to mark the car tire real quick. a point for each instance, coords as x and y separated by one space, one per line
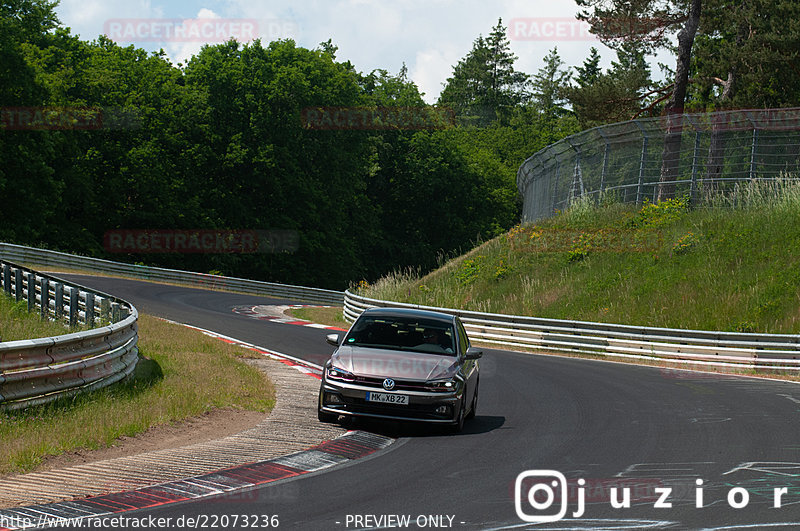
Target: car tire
327 417
474 408
458 425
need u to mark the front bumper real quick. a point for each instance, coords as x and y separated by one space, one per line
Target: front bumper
349 399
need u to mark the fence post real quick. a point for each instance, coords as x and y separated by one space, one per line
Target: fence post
555 187
606 152
577 174
695 161
642 161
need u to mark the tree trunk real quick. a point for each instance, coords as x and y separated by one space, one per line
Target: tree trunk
670 156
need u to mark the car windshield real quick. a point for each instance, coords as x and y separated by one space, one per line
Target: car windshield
418 335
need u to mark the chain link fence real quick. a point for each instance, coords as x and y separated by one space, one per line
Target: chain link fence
706 153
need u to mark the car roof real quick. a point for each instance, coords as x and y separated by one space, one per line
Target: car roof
410 312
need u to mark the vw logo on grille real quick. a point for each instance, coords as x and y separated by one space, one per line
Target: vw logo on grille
388 384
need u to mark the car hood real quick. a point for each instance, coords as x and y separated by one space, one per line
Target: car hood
399 365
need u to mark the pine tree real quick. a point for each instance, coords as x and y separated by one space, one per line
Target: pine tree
484 86
590 71
550 86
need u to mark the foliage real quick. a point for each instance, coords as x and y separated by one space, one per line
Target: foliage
484 86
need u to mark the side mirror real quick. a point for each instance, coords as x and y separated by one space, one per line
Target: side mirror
474 353
333 339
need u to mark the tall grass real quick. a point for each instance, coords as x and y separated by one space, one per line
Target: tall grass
17 323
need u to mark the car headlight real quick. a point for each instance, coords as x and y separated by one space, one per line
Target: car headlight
442 386
334 373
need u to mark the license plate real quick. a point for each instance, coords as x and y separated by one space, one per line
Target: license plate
384 398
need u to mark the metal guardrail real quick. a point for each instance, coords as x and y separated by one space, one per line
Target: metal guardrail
46 258
695 347
38 371
624 160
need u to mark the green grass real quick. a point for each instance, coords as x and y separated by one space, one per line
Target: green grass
17 323
182 373
733 264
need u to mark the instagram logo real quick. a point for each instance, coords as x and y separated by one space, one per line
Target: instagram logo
539 489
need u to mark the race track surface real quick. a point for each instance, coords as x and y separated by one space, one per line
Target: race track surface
650 430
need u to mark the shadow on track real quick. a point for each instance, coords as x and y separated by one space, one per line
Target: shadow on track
397 429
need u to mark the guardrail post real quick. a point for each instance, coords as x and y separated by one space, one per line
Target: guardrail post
89 298
115 313
105 312
59 302
7 279
18 284
73 306
45 297
31 285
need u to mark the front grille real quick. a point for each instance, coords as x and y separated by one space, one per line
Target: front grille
399 385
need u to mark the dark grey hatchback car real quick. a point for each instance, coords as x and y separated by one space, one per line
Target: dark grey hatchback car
402 364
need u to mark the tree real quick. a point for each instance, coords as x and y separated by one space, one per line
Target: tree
746 57
484 86
549 86
590 71
648 22
614 96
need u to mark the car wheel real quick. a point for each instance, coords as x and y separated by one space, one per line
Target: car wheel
458 425
474 408
326 417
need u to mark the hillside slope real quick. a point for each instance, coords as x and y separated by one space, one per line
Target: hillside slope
733 264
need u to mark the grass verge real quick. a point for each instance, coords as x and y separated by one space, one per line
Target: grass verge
732 265
181 373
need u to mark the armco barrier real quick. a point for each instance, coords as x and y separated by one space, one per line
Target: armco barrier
695 347
45 258
37 371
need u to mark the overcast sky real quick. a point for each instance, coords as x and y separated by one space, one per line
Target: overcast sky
430 36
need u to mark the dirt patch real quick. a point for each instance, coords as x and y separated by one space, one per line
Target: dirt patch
213 425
